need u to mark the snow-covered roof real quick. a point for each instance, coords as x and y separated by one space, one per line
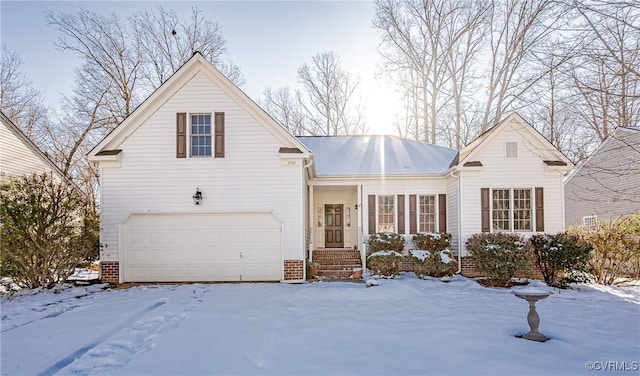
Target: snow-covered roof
377 155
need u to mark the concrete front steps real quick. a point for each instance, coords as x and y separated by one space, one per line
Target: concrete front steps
337 263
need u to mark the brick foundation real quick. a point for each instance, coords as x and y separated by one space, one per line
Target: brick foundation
469 270
293 270
110 272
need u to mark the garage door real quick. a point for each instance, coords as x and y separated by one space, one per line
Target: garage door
202 247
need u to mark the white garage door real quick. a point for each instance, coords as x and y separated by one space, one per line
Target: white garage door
202 247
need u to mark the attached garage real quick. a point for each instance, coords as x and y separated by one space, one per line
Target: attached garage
191 247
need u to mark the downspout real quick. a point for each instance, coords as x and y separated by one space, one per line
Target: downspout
459 223
311 214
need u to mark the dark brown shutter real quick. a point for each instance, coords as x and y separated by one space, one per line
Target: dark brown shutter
442 213
400 214
413 215
484 209
372 214
181 135
539 209
219 135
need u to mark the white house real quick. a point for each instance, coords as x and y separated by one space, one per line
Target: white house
200 184
19 155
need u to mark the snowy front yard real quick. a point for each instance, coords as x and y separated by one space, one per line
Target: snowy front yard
403 326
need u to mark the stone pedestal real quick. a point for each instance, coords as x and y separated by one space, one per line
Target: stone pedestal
532 296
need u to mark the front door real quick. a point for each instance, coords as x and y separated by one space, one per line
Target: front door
333 228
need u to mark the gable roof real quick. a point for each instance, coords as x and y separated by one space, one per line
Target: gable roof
197 63
625 140
377 155
4 119
552 156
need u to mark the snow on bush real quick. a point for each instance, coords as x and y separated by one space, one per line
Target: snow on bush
384 241
498 255
385 263
433 242
433 264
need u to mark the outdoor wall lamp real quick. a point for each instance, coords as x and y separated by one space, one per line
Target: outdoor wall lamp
197 197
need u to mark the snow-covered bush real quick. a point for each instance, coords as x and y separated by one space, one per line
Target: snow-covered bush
385 241
432 242
562 258
385 263
498 255
434 264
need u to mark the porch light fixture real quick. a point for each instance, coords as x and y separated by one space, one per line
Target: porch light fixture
197 197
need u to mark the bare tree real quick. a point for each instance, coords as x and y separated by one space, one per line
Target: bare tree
166 43
19 100
605 73
431 47
329 97
284 106
102 42
517 29
412 35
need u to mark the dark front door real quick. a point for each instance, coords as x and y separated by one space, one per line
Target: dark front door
333 228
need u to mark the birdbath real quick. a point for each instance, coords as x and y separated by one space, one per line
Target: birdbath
532 296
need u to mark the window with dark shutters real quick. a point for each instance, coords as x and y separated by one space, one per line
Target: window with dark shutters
400 214
372 214
413 215
485 209
219 134
442 213
181 135
539 209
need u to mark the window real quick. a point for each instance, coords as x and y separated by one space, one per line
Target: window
511 209
511 150
501 210
201 135
522 209
386 214
427 213
589 222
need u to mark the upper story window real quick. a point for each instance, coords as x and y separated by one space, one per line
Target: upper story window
201 135
197 137
511 150
386 213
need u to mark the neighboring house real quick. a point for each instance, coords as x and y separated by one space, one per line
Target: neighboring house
200 184
19 155
607 185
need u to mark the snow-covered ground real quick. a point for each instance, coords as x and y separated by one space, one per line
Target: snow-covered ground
400 327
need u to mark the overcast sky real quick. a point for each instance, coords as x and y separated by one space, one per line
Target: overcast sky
268 40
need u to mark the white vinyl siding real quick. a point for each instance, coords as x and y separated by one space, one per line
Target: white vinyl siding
528 171
17 156
251 177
